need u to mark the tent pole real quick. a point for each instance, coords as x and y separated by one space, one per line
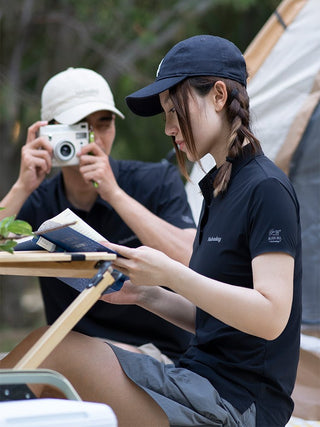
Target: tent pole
265 40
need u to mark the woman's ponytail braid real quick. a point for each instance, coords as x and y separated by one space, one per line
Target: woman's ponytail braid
238 116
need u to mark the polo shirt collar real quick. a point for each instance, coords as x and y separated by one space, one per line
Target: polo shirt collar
64 202
115 167
206 183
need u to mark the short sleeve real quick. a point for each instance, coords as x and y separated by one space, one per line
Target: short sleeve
273 219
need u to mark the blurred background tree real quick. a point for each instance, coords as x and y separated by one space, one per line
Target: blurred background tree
123 40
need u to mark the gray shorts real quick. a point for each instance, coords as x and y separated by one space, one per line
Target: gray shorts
187 398
153 351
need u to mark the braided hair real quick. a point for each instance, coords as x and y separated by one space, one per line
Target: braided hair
237 113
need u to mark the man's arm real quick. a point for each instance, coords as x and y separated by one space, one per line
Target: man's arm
153 231
150 229
35 165
13 201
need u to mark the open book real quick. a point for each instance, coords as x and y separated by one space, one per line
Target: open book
67 232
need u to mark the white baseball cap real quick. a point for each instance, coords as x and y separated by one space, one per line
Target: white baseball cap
75 93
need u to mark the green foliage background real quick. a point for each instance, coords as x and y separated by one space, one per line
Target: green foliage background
124 40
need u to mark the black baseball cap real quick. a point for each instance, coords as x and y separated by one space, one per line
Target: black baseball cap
202 55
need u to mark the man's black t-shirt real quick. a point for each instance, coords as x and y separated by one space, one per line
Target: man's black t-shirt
159 188
258 214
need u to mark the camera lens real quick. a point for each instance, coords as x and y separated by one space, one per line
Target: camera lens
64 151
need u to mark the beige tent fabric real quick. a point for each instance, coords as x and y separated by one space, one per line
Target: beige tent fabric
306 394
284 155
299 422
262 44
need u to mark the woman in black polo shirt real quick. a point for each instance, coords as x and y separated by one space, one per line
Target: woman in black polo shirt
241 296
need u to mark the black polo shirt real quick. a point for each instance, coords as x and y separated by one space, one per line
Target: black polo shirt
158 187
258 214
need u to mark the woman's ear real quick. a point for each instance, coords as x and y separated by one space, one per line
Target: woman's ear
219 95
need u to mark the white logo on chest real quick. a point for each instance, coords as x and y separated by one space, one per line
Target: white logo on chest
214 239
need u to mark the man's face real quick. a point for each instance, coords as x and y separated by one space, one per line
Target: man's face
102 123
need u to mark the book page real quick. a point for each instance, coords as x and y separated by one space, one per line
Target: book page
80 226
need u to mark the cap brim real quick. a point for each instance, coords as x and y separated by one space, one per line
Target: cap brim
145 102
79 112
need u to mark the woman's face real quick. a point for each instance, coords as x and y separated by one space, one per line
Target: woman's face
206 124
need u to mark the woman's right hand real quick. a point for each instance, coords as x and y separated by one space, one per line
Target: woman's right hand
144 265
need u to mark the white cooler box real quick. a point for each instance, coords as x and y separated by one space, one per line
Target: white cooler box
56 412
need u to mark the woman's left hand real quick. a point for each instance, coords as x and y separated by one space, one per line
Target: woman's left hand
129 294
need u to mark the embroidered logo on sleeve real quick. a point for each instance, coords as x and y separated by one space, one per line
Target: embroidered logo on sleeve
187 219
274 236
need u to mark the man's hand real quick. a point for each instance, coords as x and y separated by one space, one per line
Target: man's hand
34 166
35 159
95 167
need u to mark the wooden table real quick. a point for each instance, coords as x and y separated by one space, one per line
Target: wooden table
95 265
57 264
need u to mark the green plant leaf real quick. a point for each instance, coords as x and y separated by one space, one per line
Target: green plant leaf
8 246
5 226
11 225
20 227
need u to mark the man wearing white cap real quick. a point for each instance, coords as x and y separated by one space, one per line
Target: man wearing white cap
128 202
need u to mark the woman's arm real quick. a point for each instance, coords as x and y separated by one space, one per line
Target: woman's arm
170 306
262 311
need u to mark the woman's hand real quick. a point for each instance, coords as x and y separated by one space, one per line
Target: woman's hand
129 294
162 302
144 266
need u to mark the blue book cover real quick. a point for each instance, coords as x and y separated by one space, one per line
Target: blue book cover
69 240
29 244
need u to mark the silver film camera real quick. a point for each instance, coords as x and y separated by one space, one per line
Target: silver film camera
67 141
